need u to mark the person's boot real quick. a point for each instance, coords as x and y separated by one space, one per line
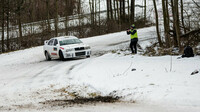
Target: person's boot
133 52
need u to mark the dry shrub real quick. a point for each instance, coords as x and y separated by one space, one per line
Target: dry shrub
155 50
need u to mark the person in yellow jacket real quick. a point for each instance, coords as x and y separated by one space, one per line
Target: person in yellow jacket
134 38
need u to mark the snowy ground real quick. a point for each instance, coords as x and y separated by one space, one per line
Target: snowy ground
144 84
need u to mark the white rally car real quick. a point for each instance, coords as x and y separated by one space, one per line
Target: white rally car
65 47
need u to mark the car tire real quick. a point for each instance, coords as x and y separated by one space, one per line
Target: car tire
61 56
48 58
88 56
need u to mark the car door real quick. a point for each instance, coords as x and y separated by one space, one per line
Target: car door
50 47
55 49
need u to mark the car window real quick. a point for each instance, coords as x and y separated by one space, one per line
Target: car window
51 42
55 42
69 41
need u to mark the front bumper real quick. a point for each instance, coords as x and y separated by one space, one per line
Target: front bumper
73 54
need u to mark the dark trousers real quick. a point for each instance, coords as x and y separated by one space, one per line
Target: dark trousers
134 44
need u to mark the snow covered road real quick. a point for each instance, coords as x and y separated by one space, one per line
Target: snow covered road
26 79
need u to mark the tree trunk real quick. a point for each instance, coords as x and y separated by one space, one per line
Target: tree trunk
2 26
182 17
115 10
19 4
132 11
165 22
32 18
128 11
174 29
111 11
157 24
48 16
79 12
168 22
99 17
177 27
56 18
108 16
66 16
118 13
20 28
93 13
108 10
7 24
124 11
80 30
145 11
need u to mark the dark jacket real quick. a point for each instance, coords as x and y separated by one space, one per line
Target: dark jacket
188 52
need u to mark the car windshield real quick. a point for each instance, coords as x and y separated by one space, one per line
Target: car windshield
69 41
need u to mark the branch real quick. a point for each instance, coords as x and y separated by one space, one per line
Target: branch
191 32
196 3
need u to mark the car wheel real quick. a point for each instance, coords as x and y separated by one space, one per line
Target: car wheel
48 58
61 56
88 56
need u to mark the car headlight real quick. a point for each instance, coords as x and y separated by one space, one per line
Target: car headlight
87 47
68 50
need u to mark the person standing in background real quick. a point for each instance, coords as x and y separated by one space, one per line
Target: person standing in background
134 38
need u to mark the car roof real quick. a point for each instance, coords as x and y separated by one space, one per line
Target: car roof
65 37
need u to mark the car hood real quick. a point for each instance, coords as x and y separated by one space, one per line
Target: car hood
74 46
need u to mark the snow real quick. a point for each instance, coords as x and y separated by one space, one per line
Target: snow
156 85
150 82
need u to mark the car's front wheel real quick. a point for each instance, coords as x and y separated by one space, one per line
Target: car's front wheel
61 56
48 58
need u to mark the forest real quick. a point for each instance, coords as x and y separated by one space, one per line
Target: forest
28 23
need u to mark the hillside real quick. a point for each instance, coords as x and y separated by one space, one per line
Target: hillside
140 83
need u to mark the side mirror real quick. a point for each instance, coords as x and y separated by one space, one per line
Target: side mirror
46 41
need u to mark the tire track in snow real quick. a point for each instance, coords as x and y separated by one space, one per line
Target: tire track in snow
72 67
42 71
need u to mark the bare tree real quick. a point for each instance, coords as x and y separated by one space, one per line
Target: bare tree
111 10
129 17
48 15
165 22
157 24
115 10
7 23
124 11
168 23
67 4
99 17
174 30
95 14
108 10
182 17
2 25
56 18
132 11
19 8
145 10
118 12
177 26
91 3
